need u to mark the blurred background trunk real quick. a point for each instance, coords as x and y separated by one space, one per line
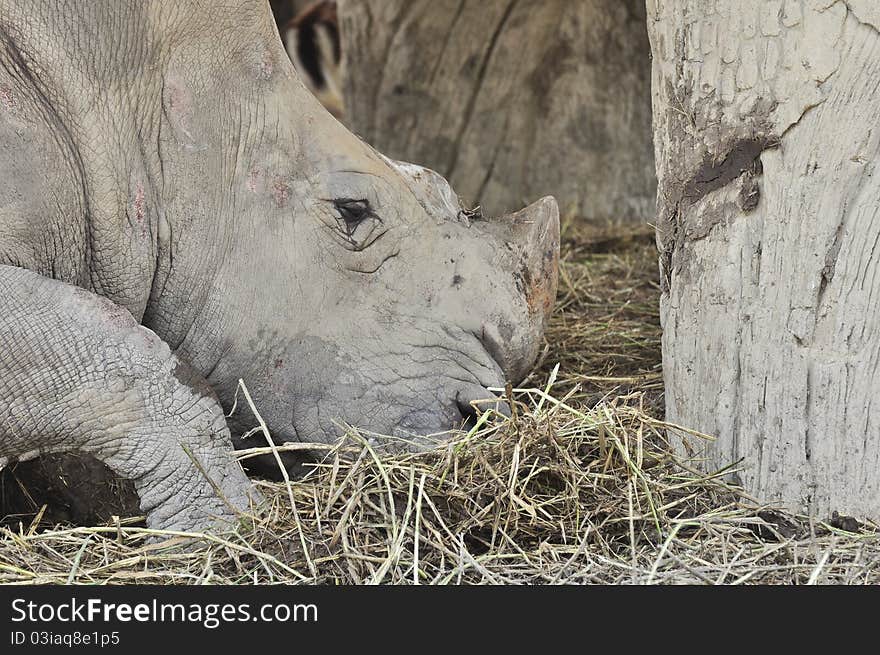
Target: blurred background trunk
510 100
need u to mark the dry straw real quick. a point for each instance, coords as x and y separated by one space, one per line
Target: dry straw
580 486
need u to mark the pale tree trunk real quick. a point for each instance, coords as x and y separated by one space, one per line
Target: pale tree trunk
509 100
766 116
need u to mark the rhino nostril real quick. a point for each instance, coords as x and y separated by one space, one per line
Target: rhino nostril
471 407
496 340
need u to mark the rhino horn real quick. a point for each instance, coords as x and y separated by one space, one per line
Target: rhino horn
535 233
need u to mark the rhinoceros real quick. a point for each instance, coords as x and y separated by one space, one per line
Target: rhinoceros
177 213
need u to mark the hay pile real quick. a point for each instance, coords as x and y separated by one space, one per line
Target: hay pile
579 486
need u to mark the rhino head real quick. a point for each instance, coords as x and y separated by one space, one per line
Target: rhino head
347 289
387 305
406 308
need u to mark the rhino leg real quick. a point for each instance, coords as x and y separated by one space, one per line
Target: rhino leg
77 373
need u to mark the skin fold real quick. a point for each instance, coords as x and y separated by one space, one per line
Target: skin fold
167 181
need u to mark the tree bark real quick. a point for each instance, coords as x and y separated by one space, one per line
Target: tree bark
509 100
766 145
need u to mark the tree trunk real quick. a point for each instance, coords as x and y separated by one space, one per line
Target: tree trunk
766 146
509 100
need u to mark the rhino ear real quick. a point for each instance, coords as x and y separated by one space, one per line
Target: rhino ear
431 190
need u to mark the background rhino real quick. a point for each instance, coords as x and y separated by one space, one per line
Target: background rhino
178 212
311 39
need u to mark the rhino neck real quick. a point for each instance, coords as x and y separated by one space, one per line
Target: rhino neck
174 125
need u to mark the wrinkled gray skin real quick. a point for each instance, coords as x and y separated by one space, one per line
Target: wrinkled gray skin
170 223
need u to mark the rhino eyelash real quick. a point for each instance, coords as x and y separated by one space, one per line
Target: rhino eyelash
351 213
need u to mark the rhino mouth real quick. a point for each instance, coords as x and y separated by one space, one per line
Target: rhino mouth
423 430
402 398
417 431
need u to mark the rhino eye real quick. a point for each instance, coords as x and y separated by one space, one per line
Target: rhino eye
351 214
